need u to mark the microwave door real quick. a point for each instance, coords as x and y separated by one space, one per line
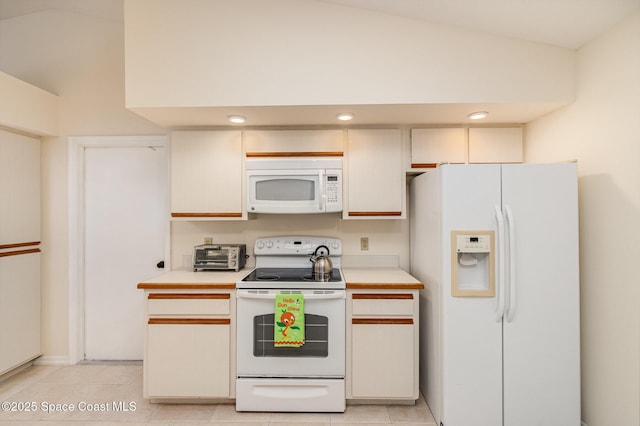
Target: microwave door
273 191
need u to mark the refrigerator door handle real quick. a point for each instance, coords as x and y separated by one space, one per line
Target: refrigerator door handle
501 264
511 307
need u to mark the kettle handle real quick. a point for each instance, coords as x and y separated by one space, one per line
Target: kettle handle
315 253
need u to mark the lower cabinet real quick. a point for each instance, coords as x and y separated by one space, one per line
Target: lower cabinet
19 307
189 351
382 349
188 358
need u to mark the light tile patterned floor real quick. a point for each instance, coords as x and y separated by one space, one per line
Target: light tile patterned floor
93 390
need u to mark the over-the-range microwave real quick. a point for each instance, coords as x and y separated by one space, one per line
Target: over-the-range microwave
294 185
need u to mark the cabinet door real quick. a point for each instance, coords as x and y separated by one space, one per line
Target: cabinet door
376 183
495 145
430 147
289 142
187 358
206 174
383 359
20 189
19 308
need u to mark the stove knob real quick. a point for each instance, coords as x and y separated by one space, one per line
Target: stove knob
233 255
260 244
233 263
269 244
335 245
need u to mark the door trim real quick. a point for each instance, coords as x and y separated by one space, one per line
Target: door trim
76 155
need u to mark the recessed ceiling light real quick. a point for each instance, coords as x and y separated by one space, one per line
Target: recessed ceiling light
478 115
345 116
238 119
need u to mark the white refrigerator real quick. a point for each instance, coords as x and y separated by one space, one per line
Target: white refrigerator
496 246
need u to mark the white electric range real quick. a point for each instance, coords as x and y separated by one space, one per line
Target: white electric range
308 377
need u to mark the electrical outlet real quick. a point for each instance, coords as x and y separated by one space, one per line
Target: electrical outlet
364 243
208 240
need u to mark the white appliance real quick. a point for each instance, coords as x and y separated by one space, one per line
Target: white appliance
496 246
311 377
294 185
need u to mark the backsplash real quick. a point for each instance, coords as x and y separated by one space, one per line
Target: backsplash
386 237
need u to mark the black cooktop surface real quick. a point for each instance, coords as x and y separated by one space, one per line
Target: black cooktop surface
288 275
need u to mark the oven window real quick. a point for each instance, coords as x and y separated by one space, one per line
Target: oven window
316 333
285 190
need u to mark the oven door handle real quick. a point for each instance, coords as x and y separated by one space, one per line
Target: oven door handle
329 295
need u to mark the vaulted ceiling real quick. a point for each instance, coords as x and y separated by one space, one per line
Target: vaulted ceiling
566 23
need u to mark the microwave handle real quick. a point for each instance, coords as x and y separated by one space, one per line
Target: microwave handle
323 196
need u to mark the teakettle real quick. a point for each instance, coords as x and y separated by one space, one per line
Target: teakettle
322 265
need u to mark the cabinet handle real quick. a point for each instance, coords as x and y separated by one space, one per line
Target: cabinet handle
369 296
226 214
188 296
16 245
189 321
424 165
19 252
296 154
375 214
372 321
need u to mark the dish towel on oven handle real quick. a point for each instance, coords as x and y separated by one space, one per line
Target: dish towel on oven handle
288 329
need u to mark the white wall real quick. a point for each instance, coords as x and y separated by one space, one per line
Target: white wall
304 52
386 237
602 131
81 59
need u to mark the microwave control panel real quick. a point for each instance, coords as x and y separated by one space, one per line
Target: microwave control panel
333 190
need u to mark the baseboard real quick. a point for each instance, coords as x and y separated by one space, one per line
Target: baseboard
52 360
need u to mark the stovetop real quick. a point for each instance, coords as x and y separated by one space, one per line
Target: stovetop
289 275
284 262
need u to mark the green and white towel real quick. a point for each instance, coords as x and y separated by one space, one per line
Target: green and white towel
289 320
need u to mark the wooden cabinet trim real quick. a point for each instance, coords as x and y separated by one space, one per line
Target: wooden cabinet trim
370 296
194 215
16 245
375 214
19 252
189 321
186 286
424 165
384 286
189 296
296 154
378 321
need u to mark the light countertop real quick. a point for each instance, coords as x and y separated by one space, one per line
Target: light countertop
355 277
380 278
187 279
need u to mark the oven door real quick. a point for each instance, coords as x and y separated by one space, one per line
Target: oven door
322 354
285 191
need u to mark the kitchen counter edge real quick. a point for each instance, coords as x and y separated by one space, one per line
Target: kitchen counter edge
187 279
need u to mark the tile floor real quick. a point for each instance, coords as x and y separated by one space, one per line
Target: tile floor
100 386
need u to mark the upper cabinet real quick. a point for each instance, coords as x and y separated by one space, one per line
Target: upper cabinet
20 189
495 145
430 147
375 183
270 143
206 175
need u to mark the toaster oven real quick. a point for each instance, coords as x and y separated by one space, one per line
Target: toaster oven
223 257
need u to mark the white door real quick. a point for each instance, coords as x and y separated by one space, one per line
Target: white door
125 224
541 323
471 334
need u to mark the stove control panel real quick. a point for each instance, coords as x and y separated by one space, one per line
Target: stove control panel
295 246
